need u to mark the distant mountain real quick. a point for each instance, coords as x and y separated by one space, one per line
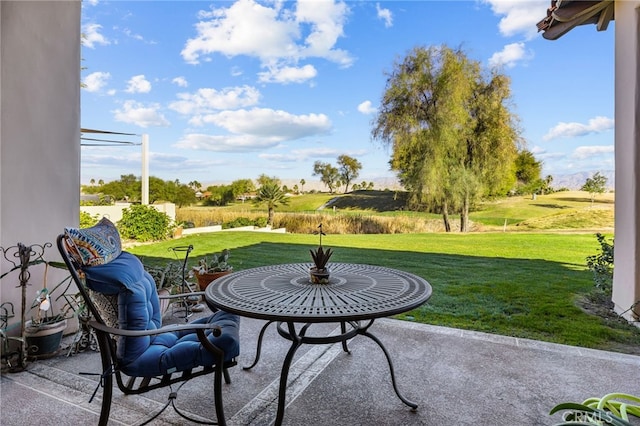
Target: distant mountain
575 181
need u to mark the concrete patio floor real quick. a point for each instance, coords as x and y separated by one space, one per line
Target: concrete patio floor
456 377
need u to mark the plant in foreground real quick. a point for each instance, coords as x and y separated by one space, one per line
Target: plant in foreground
611 409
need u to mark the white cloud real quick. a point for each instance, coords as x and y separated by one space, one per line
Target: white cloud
366 108
272 34
136 36
180 81
95 81
519 16
287 74
92 36
385 15
207 100
254 130
584 152
269 123
309 153
144 116
509 55
138 84
567 130
225 143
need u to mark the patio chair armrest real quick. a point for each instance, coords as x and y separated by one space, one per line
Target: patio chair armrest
217 330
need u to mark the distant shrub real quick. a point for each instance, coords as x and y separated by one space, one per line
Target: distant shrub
144 223
239 222
261 222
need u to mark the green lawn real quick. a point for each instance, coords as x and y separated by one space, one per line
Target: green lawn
515 284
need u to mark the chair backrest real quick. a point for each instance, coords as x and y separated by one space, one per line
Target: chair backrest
88 247
115 285
103 307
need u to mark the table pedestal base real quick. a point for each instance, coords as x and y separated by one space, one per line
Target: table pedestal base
298 338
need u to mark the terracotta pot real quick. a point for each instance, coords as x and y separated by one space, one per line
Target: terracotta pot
205 279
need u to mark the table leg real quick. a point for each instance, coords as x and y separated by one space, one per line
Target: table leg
343 330
259 348
296 342
413 405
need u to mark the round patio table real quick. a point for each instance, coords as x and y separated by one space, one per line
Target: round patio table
355 296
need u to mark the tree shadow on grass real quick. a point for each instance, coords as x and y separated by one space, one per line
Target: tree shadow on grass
585 200
551 206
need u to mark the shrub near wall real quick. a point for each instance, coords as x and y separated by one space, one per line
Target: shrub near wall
144 223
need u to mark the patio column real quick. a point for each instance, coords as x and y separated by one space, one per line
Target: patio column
626 278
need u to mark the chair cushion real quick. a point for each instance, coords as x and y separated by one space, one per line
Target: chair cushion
96 245
139 309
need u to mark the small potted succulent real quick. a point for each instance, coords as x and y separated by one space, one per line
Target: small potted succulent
209 269
319 273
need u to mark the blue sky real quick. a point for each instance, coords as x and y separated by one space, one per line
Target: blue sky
231 90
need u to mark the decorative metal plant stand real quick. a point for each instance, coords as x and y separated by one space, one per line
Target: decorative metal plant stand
21 257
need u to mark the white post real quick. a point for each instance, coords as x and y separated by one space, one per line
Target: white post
626 275
145 169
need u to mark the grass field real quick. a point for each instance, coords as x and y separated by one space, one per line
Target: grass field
511 283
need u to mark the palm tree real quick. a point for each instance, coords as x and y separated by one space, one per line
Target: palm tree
302 182
271 195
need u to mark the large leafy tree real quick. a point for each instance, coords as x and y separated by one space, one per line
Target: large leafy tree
453 136
349 170
272 195
329 175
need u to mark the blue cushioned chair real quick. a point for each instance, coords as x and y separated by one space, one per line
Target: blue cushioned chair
135 348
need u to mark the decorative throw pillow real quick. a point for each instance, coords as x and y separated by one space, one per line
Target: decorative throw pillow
93 246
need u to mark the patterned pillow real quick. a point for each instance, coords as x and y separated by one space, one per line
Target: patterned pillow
93 246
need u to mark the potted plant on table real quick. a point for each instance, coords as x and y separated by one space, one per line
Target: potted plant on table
319 273
212 268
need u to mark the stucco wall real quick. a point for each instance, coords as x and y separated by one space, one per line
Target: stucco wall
39 128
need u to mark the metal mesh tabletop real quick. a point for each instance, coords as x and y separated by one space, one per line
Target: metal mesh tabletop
285 293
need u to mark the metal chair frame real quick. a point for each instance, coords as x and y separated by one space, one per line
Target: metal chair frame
138 385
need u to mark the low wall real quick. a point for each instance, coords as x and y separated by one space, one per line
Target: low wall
114 213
